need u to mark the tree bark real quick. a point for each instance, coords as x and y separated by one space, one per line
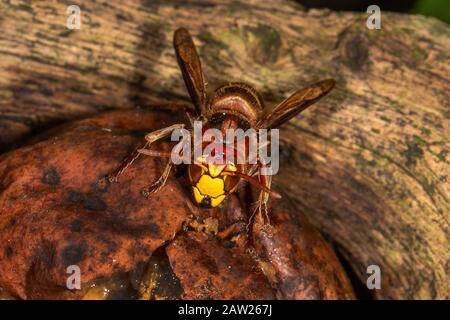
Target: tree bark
368 165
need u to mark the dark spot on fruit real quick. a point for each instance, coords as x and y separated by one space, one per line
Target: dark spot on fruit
51 177
94 203
13 222
75 226
9 251
101 186
74 253
154 229
76 197
89 202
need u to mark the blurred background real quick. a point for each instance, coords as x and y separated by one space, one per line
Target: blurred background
435 8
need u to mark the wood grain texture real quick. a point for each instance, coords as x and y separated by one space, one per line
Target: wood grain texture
369 165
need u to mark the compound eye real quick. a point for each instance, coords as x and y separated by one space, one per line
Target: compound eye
195 172
230 183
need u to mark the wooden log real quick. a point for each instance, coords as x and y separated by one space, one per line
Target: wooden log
369 165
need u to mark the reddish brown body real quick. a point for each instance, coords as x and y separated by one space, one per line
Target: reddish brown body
232 106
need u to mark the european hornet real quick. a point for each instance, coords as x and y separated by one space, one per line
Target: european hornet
231 106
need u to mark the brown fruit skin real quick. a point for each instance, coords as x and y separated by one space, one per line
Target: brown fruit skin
56 210
306 267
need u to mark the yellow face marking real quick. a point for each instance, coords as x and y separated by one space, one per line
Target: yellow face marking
216 201
215 170
197 196
212 187
211 182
